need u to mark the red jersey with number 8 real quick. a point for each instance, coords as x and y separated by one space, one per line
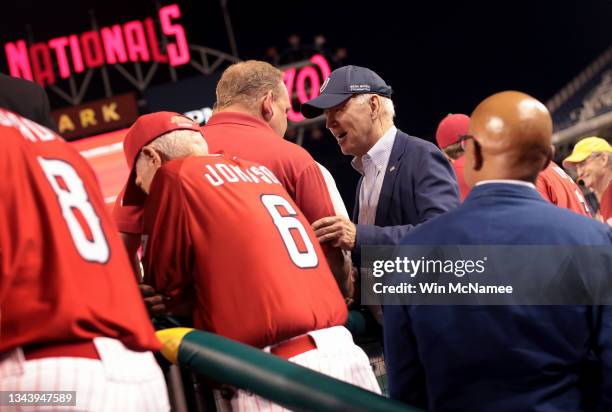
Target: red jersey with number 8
64 274
225 235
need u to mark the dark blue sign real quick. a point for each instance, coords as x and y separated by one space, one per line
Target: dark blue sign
194 97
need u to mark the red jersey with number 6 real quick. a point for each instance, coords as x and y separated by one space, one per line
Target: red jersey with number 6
64 274
225 235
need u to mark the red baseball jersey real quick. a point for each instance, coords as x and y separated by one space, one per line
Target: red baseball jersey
64 273
559 188
605 205
223 233
245 136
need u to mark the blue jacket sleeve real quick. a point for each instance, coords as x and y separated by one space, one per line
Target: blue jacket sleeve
603 352
435 187
427 188
405 373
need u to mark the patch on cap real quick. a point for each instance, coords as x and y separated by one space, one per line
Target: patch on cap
360 88
182 121
341 84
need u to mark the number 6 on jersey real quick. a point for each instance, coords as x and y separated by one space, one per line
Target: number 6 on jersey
284 224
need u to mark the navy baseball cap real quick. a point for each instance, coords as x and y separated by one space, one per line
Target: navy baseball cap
341 84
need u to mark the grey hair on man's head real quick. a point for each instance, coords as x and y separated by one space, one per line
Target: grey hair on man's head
179 143
387 107
609 159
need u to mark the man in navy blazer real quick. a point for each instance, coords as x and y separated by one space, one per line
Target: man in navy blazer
405 180
504 358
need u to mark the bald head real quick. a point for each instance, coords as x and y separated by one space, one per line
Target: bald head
512 133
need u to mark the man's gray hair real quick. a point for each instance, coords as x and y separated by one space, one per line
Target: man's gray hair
608 157
387 108
179 143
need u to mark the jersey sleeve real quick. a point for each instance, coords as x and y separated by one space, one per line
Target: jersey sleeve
7 242
336 199
544 187
311 194
127 218
606 205
168 252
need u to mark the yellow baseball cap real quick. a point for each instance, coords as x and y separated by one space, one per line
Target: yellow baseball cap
586 147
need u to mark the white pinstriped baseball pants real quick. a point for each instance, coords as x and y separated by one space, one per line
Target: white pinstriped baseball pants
336 355
122 380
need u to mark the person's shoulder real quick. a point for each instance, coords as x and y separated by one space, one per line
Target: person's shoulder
185 167
172 178
289 156
436 229
15 139
12 148
293 150
547 221
544 181
576 219
553 175
228 160
416 143
10 133
269 144
12 84
575 228
547 183
174 168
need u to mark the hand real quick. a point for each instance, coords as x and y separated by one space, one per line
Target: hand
350 297
153 300
337 230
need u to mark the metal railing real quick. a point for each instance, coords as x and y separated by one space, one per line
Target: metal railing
282 382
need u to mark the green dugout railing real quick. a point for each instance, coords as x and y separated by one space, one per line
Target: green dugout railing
285 383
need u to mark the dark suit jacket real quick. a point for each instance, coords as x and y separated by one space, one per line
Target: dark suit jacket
419 184
501 358
27 99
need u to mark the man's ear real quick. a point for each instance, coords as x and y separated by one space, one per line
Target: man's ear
375 106
152 155
602 158
478 159
267 107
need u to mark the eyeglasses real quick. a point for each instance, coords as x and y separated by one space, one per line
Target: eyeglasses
588 160
463 139
592 156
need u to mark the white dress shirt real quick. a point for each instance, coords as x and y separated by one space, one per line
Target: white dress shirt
372 167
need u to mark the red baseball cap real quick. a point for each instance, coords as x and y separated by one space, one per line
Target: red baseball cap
145 129
451 128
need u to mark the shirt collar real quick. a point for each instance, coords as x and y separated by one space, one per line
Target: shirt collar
508 181
237 118
379 153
